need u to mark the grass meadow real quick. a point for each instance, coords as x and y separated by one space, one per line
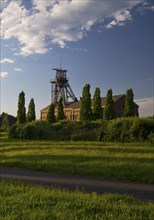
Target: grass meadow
129 161
28 202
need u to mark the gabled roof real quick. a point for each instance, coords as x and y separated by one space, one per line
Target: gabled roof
77 104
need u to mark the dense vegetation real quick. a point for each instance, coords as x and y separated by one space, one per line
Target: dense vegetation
132 162
21 201
116 130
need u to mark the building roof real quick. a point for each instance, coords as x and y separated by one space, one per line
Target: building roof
77 104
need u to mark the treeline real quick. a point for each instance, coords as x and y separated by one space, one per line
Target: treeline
94 125
91 109
118 130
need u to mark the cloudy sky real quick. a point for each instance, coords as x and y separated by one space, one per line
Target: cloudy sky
108 44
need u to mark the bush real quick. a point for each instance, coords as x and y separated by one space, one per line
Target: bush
30 132
141 129
15 131
118 130
129 129
102 131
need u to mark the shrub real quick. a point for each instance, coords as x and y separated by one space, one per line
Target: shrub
141 129
15 131
30 132
118 130
102 131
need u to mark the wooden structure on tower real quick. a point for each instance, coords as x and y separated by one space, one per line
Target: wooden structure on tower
61 88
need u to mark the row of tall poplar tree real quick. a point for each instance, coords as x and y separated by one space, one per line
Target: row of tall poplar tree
90 109
22 117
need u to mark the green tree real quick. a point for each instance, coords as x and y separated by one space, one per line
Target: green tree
97 108
21 113
5 122
60 115
51 114
109 112
85 110
31 111
129 103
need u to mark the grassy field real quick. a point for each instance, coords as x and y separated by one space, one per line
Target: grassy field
132 162
27 202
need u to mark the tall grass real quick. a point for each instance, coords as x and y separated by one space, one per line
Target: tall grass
27 202
132 162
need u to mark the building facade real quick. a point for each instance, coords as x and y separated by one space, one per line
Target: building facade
72 110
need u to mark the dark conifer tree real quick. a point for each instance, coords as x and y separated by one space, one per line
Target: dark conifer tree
31 111
21 113
60 115
97 108
85 110
129 103
109 112
51 114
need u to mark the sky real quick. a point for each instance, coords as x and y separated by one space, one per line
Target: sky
106 43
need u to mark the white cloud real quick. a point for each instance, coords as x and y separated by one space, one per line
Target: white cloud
146 106
120 18
58 21
3 74
18 69
7 60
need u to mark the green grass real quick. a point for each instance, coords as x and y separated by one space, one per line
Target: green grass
132 162
28 202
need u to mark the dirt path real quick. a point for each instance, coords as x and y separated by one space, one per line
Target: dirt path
88 184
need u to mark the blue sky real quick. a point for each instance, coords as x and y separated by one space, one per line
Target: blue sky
108 44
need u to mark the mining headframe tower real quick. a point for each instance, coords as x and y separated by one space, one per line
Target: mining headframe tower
60 88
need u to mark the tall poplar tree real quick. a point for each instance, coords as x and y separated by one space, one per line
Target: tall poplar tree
109 112
97 108
60 115
51 114
31 111
129 104
21 113
85 110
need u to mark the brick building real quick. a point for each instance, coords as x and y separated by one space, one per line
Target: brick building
72 110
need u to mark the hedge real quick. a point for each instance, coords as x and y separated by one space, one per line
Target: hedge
118 130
